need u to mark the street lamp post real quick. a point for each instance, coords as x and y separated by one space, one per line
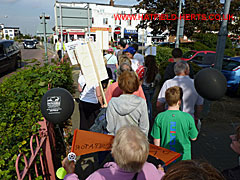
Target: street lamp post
44 17
178 25
222 35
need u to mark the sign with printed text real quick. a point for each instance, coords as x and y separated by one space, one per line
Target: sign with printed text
88 55
70 47
85 142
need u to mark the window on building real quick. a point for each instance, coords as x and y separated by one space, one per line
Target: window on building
120 22
6 31
101 10
105 20
92 20
10 30
11 35
123 12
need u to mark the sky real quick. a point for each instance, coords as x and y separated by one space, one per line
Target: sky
25 13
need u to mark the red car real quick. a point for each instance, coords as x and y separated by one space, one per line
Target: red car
197 55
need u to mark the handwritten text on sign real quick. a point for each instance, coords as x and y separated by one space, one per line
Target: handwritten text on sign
85 142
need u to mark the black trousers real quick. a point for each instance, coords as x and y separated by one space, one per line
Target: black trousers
88 114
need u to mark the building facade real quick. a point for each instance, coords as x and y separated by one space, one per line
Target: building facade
103 18
10 32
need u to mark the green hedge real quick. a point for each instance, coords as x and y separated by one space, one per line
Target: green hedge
20 97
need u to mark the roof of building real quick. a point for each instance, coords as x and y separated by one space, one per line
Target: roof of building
11 28
115 5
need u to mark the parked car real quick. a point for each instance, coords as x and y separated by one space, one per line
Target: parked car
196 55
10 55
204 59
231 70
29 44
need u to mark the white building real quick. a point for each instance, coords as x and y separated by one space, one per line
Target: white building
10 32
103 18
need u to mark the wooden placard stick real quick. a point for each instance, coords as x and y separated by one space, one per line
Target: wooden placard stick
97 73
77 60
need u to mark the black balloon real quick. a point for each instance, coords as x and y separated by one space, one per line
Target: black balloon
57 105
210 84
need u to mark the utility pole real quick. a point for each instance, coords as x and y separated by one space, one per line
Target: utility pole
61 26
178 25
44 17
88 23
222 36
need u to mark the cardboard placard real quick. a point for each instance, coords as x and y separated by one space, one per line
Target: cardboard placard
102 39
85 142
71 46
85 59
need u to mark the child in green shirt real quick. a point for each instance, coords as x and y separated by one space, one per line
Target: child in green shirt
173 129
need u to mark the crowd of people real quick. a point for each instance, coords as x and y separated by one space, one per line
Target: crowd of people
129 116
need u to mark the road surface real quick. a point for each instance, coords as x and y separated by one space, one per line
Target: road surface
28 54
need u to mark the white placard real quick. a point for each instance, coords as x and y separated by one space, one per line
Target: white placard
102 39
86 61
151 51
71 46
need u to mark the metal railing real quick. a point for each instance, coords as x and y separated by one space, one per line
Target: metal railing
43 151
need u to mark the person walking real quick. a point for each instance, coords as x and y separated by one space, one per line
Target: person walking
173 129
150 80
59 48
192 102
112 63
127 108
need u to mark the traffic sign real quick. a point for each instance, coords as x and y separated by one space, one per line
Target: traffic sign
117 30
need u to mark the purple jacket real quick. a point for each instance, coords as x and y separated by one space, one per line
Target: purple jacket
72 176
112 171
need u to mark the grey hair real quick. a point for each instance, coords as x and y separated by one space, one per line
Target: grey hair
180 67
130 148
123 68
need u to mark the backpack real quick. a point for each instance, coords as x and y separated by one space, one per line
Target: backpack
100 124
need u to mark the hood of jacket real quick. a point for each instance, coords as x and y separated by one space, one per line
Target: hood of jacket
126 103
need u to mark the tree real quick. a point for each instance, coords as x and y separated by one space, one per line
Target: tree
156 7
234 27
192 7
7 37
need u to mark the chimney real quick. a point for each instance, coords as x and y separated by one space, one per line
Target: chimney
111 2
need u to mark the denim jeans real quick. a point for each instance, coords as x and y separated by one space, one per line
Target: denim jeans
149 92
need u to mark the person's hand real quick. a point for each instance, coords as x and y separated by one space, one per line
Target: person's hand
160 167
104 106
235 145
69 166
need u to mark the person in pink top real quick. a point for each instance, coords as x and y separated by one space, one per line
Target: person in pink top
130 150
114 90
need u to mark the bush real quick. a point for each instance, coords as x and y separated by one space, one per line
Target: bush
210 40
200 47
229 52
20 97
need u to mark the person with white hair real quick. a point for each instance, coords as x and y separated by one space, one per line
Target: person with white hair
130 151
